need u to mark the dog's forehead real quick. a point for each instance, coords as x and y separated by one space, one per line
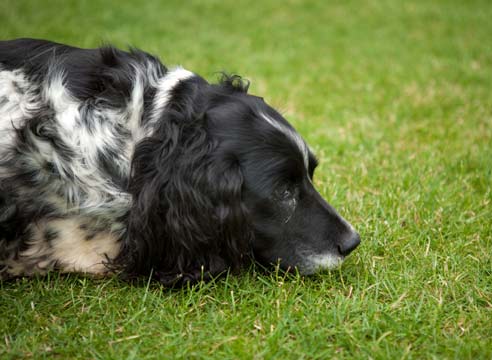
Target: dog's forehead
290 133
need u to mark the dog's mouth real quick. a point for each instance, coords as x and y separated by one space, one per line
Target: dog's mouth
307 263
315 263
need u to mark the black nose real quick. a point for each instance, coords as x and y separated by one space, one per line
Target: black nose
349 244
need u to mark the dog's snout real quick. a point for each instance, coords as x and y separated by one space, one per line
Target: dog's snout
349 244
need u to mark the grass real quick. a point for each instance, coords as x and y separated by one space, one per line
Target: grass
396 100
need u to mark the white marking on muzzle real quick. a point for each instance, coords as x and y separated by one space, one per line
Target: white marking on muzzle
314 263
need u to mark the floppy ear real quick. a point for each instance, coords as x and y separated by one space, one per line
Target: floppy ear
187 220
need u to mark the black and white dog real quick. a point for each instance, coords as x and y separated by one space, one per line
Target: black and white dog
110 162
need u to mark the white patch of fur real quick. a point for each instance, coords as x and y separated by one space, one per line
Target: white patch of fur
317 262
292 135
61 101
18 101
75 253
145 75
69 251
88 190
164 87
135 107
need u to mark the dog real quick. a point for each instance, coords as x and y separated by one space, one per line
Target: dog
112 163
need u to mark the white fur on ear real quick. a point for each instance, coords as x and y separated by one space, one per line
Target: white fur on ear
164 87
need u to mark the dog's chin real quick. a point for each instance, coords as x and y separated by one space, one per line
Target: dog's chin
315 263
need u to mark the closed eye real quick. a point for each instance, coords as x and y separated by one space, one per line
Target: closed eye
286 193
288 198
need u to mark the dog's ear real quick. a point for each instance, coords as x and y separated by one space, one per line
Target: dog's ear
187 220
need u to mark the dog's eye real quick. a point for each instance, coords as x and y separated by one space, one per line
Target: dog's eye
286 193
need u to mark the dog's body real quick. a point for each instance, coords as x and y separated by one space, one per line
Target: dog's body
111 162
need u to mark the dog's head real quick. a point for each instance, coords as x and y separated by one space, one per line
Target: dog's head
225 177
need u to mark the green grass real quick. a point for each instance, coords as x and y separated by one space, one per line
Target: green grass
396 100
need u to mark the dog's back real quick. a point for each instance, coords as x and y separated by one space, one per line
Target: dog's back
29 53
66 138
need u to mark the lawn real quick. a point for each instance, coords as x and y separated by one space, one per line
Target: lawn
396 100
